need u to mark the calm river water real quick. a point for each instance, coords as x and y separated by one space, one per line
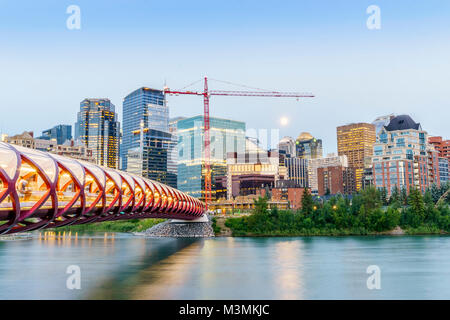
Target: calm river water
122 266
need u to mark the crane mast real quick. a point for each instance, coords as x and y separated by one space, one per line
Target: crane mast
206 124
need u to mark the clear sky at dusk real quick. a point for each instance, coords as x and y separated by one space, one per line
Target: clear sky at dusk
323 47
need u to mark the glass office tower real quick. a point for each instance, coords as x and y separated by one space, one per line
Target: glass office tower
225 135
308 147
153 160
98 129
147 105
61 133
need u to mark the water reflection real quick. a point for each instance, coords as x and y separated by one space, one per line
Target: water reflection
67 239
120 266
159 263
288 267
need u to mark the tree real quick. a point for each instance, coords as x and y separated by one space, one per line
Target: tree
436 192
428 198
416 212
261 205
395 195
404 196
383 196
307 202
371 199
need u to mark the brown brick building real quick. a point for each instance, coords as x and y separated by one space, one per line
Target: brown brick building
292 196
336 179
442 146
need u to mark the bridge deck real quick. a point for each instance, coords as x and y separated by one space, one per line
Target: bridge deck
43 190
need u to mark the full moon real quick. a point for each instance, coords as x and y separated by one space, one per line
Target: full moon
284 121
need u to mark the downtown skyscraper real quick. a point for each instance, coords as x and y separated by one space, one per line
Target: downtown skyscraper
148 147
98 129
226 136
142 105
356 141
308 147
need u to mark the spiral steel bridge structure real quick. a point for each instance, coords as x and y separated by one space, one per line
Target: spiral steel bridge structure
43 190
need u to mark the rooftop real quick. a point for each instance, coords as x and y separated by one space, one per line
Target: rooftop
402 122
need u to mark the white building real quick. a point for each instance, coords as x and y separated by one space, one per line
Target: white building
330 160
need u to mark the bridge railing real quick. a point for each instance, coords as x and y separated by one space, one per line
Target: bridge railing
43 190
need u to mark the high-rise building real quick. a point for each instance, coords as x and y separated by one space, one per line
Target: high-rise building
381 122
444 174
147 105
61 133
287 144
98 129
308 147
225 136
356 141
442 146
336 179
173 123
297 171
329 161
172 161
153 159
403 158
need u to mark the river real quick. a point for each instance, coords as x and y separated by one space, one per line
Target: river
123 266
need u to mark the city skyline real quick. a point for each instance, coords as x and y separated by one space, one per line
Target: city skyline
321 47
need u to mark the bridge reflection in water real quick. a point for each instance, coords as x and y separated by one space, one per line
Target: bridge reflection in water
43 190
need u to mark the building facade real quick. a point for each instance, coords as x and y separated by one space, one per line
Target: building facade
249 172
61 133
444 175
24 139
142 105
152 159
329 161
442 146
297 171
403 158
225 136
308 147
381 122
287 144
69 149
336 179
98 129
356 141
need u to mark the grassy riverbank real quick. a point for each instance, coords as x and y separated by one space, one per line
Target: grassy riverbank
368 213
134 225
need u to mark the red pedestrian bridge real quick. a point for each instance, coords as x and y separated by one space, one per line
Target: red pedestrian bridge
43 190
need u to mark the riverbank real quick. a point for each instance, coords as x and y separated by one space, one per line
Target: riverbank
133 225
180 229
368 213
224 229
16 237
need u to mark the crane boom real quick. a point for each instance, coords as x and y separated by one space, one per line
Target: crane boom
206 94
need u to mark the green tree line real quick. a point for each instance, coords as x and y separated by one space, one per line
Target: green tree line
369 211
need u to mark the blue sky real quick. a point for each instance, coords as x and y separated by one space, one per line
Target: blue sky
318 46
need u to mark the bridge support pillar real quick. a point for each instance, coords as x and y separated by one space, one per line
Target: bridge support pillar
203 218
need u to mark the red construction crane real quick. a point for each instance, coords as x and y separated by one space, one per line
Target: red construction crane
206 94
